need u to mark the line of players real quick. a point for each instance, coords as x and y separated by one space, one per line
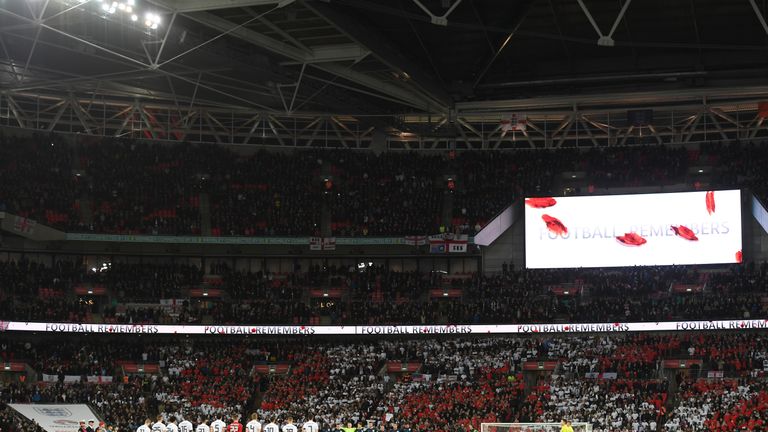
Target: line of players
218 425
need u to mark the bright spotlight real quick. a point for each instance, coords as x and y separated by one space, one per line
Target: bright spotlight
105 6
134 17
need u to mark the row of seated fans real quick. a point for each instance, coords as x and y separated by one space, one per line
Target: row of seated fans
460 382
140 187
378 296
721 406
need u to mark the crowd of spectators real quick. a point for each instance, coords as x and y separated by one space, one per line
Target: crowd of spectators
266 194
488 182
615 382
145 188
621 405
12 422
720 406
36 180
126 186
383 194
122 405
131 293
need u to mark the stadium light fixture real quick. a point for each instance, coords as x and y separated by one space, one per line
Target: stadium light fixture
128 9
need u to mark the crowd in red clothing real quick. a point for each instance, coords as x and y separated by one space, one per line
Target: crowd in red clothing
720 406
491 398
310 373
458 383
746 415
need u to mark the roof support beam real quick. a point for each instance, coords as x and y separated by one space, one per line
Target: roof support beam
403 95
420 81
522 13
606 40
184 6
438 19
17 112
278 30
759 15
692 95
57 117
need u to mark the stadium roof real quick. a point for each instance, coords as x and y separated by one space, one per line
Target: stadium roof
389 62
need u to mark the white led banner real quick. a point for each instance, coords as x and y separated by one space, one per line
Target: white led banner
630 230
384 330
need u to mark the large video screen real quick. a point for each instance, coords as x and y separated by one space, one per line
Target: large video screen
633 230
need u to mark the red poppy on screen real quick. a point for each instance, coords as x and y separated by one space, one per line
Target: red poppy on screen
631 239
710 202
540 202
684 232
554 225
739 257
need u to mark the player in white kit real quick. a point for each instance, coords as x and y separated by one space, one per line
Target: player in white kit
145 426
202 426
310 426
289 426
171 426
254 425
271 427
159 426
186 426
218 425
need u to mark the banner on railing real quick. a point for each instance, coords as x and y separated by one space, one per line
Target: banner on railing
601 375
93 379
213 240
386 330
